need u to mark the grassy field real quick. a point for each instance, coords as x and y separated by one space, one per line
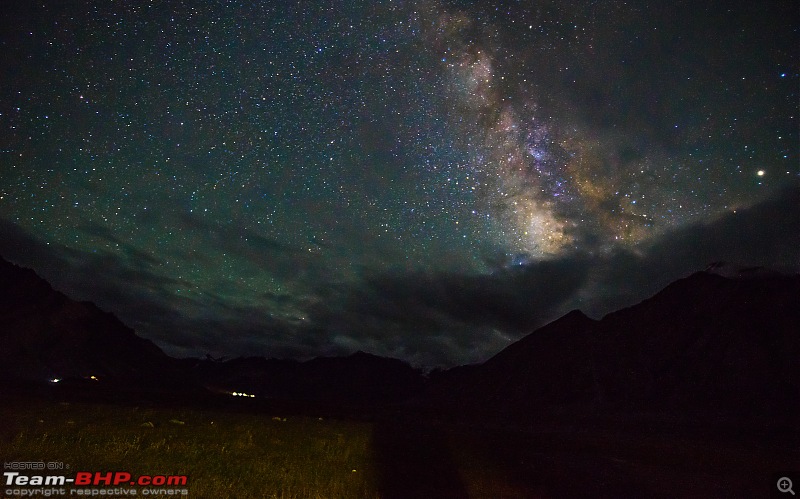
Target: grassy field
223 454
241 455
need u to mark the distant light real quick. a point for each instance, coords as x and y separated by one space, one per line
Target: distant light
760 173
55 380
93 377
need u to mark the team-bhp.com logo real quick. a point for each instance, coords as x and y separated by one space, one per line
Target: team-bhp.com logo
96 479
85 483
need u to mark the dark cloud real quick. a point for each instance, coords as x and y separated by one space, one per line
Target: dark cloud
428 317
765 234
438 317
19 246
134 254
113 280
446 317
139 292
510 298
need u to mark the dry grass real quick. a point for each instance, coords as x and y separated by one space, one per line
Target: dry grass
223 454
278 456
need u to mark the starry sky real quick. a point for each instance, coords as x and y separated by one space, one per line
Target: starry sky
427 180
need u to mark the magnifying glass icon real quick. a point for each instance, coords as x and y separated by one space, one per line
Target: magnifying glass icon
785 485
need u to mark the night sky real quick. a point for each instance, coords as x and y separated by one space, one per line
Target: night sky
426 180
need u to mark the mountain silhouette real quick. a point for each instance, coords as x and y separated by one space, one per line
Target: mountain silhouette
704 343
357 378
47 336
726 340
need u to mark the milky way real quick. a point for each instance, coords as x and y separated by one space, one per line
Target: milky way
425 179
